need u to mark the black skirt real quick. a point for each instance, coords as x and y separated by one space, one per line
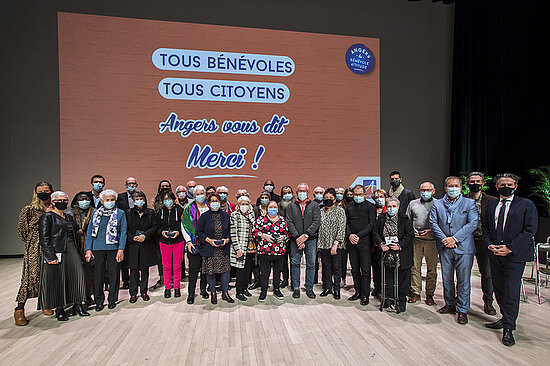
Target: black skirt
62 284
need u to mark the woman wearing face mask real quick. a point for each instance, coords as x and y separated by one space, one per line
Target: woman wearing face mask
287 195
271 233
379 197
62 280
164 185
243 247
191 216
142 233
171 241
340 195
261 207
105 243
269 187
27 229
82 212
331 243
348 196
390 226
214 245
347 199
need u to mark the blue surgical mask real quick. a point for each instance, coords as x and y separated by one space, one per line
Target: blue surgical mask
191 190
339 196
139 203
215 206
98 187
318 197
453 192
84 204
287 196
109 205
426 196
200 198
223 196
168 203
359 199
392 211
131 189
272 211
302 196
264 201
380 202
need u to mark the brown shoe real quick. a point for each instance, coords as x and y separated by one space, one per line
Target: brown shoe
133 299
462 318
429 300
47 312
20 319
447 310
145 297
213 298
414 298
226 297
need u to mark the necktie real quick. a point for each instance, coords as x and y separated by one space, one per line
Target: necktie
500 222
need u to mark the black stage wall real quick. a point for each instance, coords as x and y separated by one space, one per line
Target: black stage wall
416 65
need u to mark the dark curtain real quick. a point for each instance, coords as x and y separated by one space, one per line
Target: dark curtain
500 99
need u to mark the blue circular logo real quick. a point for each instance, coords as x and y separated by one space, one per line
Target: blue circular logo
359 59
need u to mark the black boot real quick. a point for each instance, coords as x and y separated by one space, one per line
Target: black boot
61 315
79 309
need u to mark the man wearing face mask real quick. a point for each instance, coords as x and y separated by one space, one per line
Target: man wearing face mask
181 195
98 182
124 200
418 212
190 190
509 226
397 190
318 193
453 220
475 183
269 186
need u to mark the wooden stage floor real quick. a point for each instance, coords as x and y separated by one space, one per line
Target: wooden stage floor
289 332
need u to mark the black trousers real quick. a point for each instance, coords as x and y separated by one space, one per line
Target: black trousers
159 261
266 261
195 266
139 277
376 271
285 272
360 259
507 285
317 261
243 274
125 274
254 269
403 287
482 257
105 260
331 269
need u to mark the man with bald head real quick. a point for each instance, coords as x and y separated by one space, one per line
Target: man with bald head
190 189
418 212
125 202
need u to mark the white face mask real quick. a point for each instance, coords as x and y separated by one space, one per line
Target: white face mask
243 208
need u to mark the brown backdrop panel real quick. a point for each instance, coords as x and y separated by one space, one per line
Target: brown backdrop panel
110 107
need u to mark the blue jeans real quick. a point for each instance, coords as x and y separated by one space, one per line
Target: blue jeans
296 256
462 265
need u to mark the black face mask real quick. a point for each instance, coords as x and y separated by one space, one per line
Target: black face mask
506 191
395 183
328 202
474 187
44 196
61 205
349 198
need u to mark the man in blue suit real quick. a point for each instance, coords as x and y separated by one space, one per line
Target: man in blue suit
453 220
508 230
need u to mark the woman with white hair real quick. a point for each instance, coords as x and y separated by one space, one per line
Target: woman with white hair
189 220
243 247
105 243
226 206
62 279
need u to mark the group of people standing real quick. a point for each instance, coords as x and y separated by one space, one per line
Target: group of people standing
73 254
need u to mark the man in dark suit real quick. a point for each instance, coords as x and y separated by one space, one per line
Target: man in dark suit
397 190
98 182
125 202
475 184
509 226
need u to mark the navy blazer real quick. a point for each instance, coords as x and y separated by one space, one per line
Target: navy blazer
205 229
519 229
